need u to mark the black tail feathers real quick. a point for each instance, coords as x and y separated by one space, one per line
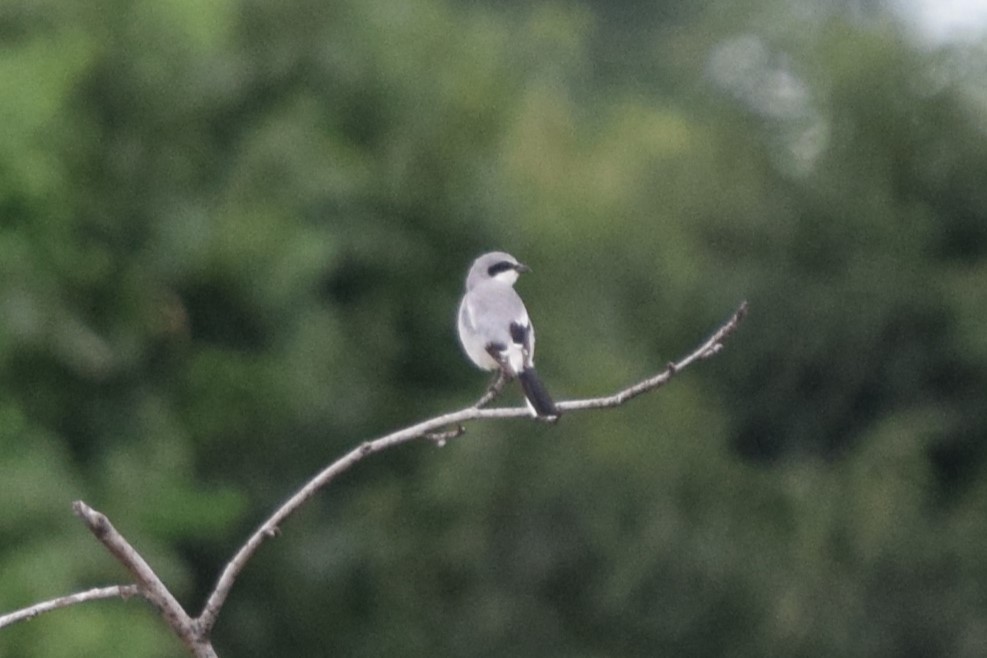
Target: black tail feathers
538 398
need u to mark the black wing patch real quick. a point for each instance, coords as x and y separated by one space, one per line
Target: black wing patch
496 349
519 333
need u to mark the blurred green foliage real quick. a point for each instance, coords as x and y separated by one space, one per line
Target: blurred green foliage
232 240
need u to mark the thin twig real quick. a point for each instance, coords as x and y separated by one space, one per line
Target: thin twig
496 386
430 428
493 391
148 583
440 438
710 348
95 594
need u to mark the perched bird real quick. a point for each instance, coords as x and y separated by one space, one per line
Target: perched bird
495 330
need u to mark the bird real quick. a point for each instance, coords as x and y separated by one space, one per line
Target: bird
495 330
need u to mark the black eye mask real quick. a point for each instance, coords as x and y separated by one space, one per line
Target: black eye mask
502 266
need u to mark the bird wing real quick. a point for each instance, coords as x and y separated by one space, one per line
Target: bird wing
498 315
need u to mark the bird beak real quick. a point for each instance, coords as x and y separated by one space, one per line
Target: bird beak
521 267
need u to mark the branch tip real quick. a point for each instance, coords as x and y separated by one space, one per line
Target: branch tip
80 509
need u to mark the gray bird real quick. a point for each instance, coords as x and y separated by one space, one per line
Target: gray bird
495 330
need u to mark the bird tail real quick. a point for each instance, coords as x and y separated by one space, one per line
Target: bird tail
539 401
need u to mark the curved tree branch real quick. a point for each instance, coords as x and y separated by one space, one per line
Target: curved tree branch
431 429
195 633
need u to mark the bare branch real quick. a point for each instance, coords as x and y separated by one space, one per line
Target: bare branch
148 583
710 348
433 428
270 528
95 594
195 633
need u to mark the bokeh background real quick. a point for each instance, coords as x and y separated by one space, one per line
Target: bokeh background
233 235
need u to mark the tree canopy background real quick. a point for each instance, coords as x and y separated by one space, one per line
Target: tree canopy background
232 240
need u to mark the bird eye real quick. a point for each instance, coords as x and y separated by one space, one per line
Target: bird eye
502 266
